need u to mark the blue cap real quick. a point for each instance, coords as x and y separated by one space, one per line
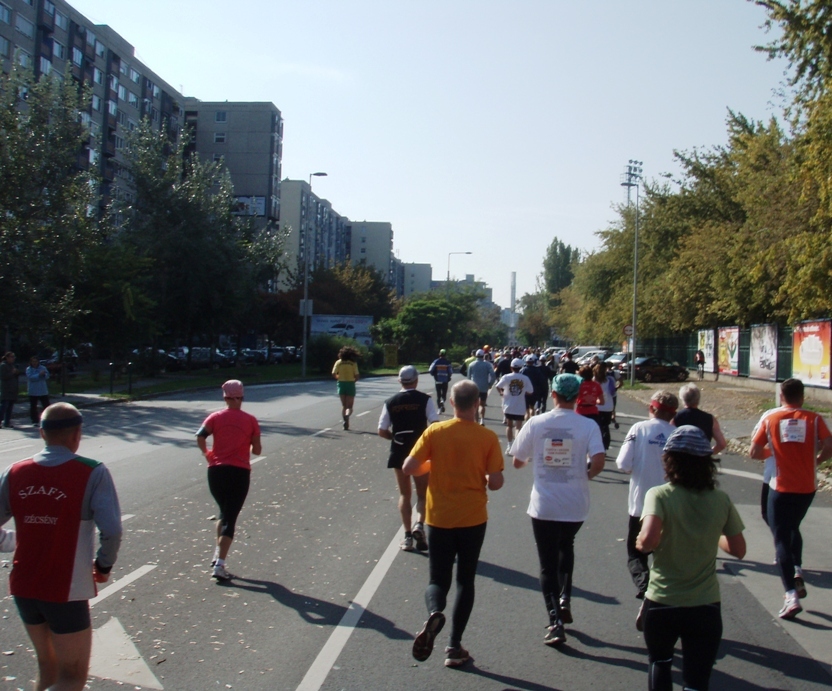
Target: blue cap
689 439
567 385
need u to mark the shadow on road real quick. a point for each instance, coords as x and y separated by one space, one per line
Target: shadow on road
315 611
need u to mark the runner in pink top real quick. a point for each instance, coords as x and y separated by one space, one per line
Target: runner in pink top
236 436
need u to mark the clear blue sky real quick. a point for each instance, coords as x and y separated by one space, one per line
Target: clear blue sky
471 125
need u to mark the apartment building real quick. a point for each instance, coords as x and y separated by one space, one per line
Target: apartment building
51 37
417 278
313 224
371 243
248 138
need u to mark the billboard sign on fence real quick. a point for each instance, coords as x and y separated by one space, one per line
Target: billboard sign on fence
729 350
349 325
705 343
762 362
811 352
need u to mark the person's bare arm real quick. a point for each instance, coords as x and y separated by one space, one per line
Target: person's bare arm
518 463
596 464
733 545
650 534
759 451
825 450
413 466
385 434
495 480
719 438
256 449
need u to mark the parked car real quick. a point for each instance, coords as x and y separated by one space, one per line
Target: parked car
653 368
251 356
586 358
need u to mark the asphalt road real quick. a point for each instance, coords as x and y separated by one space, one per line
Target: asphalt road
324 598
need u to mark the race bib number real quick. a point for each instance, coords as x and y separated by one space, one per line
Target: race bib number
557 452
793 431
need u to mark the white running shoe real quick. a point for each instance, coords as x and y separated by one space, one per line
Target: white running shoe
220 573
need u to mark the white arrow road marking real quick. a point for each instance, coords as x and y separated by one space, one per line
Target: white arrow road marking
115 657
121 582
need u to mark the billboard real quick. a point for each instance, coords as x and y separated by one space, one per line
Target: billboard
762 363
810 352
350 325
729 350
706 345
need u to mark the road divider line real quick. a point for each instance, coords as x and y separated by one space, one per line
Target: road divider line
17 448
127 517
257 460
741 473
121 583
366 412
317 673
321 431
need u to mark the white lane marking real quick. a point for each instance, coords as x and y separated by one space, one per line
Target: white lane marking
257 460
122 582
127 517
632 417
321 431
741 473
317 673
366 412
17 448
115 656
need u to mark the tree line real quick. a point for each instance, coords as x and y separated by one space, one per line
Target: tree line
742 235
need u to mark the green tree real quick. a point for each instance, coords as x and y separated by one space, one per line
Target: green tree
46 227
558 266
352 289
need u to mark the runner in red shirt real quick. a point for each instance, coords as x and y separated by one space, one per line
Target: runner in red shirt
799 440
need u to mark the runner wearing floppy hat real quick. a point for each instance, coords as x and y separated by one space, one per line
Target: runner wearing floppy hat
403 418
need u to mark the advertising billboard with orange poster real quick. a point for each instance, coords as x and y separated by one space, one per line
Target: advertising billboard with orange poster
811 352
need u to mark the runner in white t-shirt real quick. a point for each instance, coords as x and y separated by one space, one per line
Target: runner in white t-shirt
513 388
558 444
641 458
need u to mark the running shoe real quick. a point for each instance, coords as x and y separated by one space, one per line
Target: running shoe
566 611
791 608
419 537
346 423
800 587
555 635
441 407
407 544
423 645
456 657
220 573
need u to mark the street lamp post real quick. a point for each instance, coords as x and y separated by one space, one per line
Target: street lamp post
306 277
631 177
448 279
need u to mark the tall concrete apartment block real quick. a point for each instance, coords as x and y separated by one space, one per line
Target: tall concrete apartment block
312 224
417 278
51 37
371 243
248 137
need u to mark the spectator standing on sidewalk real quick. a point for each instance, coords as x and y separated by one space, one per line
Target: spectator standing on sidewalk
9 388
463 459
37 375
403 418
699 361
799 440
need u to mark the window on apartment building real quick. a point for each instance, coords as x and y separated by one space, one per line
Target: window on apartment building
121 118
91 38
122 92
58 50
61 21
221 116
24 59
5 14
112 108
131 125
363 240
96 103
135 77
219 137
24 26
124 68
5 47
119 143
31 3
156 91
132 99
99 49
93 156
49 8
77 56
97 76
45 65
218 158
363 250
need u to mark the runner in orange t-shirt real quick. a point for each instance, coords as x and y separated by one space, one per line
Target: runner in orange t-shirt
799 440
